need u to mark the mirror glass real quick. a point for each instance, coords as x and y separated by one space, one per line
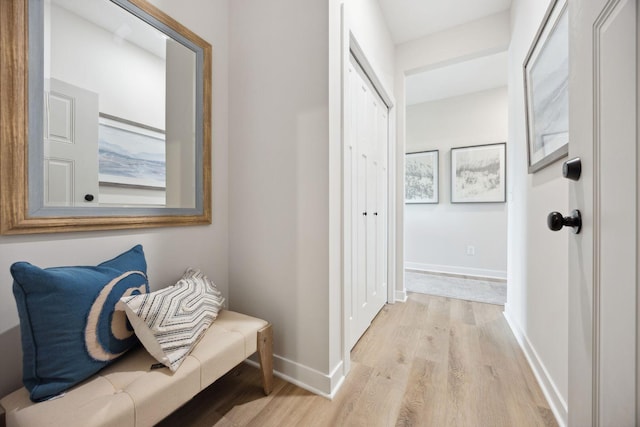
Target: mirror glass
119 126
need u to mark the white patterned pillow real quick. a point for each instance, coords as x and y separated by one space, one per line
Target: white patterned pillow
171 321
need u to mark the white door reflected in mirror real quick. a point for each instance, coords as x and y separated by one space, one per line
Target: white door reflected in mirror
70 145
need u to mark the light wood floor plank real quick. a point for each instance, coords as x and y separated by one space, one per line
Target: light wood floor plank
425 398
462 312
336 412
434 341
431 361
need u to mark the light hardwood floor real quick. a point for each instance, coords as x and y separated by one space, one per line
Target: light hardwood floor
431 361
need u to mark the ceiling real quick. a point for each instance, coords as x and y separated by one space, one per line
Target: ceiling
116 20
412 19
475 75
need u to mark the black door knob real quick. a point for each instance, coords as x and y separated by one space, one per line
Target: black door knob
88 197
555 221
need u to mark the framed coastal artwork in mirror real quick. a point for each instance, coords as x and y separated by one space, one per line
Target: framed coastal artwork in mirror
421 177
106 117
546 78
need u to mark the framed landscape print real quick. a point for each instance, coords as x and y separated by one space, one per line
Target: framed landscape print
130 154
546 80
421 177
478 174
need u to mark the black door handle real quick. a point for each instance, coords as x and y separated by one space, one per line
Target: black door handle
89 197
555 221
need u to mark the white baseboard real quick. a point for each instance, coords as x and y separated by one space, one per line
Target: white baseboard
452 269
305 377
401 296
556 402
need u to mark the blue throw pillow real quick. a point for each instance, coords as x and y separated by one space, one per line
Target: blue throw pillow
68 324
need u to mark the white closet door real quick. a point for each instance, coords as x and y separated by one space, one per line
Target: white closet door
366 185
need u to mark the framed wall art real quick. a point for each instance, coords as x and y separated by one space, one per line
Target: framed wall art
421 177
130 154
478 174
546 81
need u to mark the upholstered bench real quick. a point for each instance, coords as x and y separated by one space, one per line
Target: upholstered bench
130 392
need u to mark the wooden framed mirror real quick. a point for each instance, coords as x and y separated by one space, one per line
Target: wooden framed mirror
105 117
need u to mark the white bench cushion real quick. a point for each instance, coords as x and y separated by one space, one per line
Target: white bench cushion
128 393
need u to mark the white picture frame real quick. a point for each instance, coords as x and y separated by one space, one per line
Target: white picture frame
130 154
421 177
546 81
478 173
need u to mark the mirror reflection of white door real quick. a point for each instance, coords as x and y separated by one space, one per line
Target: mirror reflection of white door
70 145
603 258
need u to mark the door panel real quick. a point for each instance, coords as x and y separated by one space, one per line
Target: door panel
60 118
380 215
362 237
602 274
60 172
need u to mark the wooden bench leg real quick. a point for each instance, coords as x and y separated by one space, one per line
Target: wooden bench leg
265 352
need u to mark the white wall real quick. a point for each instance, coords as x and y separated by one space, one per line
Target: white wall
537 300
472 40
181 132
437 235
279 159
285 159
168 250
366 23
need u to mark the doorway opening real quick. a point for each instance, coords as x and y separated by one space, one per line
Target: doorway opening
455 213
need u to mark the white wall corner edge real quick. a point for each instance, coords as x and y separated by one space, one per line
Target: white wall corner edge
325 385
453 269
556 401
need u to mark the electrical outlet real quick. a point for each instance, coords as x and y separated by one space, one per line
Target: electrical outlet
471 250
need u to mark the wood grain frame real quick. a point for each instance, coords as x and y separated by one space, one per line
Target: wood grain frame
14 147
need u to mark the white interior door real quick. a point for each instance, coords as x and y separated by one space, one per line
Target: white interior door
604 256
70 145
366 180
